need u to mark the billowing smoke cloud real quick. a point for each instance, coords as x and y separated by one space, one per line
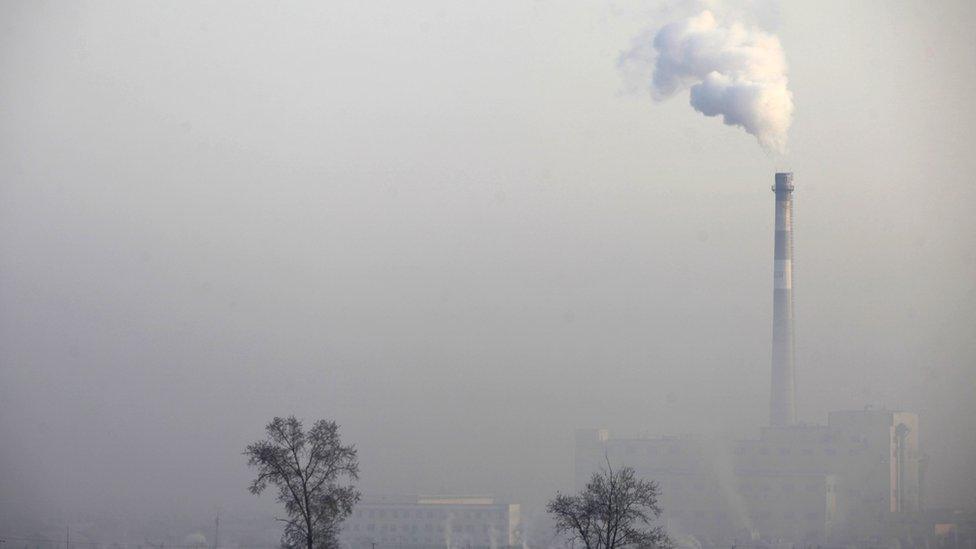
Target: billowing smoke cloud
733 71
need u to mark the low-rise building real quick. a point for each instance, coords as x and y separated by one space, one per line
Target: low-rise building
431 521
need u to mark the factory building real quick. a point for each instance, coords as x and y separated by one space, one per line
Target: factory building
809 484
431 521
842 482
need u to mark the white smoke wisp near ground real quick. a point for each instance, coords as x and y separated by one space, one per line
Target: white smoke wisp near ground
733 71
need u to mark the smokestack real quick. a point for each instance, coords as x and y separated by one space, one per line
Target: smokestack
782 401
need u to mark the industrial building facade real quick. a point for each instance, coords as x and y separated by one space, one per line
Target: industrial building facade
807 484
431 521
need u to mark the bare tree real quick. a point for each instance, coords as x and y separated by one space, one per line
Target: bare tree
616 509
306 468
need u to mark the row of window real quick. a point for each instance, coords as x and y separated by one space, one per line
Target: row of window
721 516
428 540
765 451
674 449
671 487
652 450
785 487
471 528
426 513
771 497
813 515
828 451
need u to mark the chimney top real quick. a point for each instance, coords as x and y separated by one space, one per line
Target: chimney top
784 182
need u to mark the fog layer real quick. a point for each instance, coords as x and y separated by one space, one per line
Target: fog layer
453 229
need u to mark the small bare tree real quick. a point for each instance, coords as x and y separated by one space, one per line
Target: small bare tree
615 510
306 469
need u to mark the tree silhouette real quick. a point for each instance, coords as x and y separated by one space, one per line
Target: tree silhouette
307 469
616 509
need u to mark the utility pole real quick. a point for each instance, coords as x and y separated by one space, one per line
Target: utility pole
217 531
67 537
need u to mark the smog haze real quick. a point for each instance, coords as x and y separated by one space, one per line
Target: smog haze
461 231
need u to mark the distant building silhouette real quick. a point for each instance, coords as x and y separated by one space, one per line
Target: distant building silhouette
809 484
431 521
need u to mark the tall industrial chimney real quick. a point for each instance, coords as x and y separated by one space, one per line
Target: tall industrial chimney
782 403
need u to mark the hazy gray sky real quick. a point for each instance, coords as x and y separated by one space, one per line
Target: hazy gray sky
460 231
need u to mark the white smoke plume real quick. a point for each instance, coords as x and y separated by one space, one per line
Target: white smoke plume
733 71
